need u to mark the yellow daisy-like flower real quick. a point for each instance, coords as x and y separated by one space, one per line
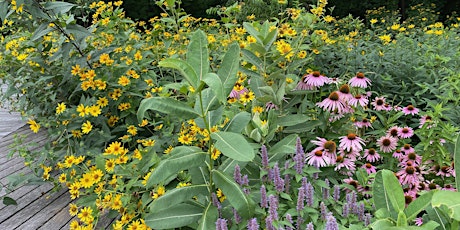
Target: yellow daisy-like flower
76 70
186 139
160 192
257 109
138 56
73 209
62 178
86 127
215 153
123 81
220 195
148 142
97 175
82 110
34 126
109 165
247 97
124 106
144 123
102 102
86 215
94 110
87 180
132 130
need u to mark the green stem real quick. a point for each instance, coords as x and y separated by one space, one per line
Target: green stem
211 161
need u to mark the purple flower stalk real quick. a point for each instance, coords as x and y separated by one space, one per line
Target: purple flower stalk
300 199
277 180
236 216
310 226
264 155
323 210
287 183
299 157
289 219
273 207
336 194
245 180
367 219
331 222
263 197
216 202
237 174
269 223
252 224
221 224
309 192
360 211
345 210
325 191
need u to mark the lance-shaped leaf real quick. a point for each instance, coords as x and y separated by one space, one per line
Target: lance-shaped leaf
457 161
175 164
229 68
197 55
235 195
41 31
233 145
177 196
450 199
208 220
184 68
418 205
380 194
394 190
59 7
252 58
166 105
238 122
174 217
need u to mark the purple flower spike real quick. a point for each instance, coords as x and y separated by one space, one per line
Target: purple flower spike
236 216
336 194
310 226
237 174
252 224
264 155
300 199
331 223
273 207
309 192
263 197
221 224
277 180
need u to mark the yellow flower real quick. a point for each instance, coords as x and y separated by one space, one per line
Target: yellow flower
251 17
302 54
73 209
109 165
215 153
124 106
168 150
144 123
86 127
247 97
62 178
87 180
138 56
132 130
82 110
148 142
34 126
220 195
160 192
116 202
373 21
94 110
123 81
395 27
257 109
97 175
385 38
102 102
186 139
86 215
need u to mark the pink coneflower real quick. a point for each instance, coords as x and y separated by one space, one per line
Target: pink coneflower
449 187
352 153
237 90
334 80
317 158
393 131
418 221
316 79
344 92
352 182
363 123
445 171
424 119
387 144
351 141
359 81
387 107
410 109
408 176
332 103
407 149
358 99
405 132
336 116
270 105
371 155
302 85
369 168
378 103
327 146
346 163
398 154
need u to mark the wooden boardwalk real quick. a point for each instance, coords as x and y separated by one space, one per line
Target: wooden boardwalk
38 206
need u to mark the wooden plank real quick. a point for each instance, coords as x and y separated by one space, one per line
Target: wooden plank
11 217
18 193
67 225
58 221
46 212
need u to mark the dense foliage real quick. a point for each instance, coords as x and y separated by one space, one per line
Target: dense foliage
303 121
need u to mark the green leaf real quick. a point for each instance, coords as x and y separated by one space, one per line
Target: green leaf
228 166
197 54
418 205
177 196
229 68
175 164
209 218
238 122
3 10
166 105
457 161
381 199
78 31
270 38
208 102
216 85
252 31
174 217
184 68
233 145
41 31
382 224
292 119
235 195
394 190
252 58
9 201
450 199
402 219
283 147
59 7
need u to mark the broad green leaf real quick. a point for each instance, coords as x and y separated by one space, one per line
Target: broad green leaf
381 199
208 102
252 58
229 68
174 217
9 201
228 166
78 31
214 82
457 161
394 190
252 31
418 205
197 55
59 7
213 117
235 195
238 122
171 3
166 105
184 68
233 145
270 38
175 164
177 196
283 147
402 219
209 218
3 10
439 215
41 31
450 199
382 224
292 119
